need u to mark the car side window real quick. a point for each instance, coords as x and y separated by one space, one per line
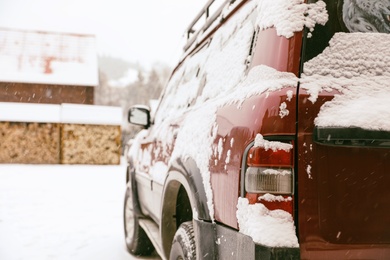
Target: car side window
229 52
183 87
215 68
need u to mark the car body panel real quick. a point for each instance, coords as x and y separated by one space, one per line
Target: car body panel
340 189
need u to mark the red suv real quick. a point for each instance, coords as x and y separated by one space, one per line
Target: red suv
271 139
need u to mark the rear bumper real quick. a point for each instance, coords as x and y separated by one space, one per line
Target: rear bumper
219 242
323 250
263 252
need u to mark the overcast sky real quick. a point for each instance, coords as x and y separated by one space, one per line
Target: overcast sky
144 31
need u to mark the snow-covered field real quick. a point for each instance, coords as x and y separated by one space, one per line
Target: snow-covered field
62 212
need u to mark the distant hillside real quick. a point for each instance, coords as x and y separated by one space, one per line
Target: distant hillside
123 84
115 68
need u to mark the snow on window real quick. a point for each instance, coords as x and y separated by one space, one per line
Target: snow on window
289 16
356 65
352 55
181 91
273 228
218 65
229 49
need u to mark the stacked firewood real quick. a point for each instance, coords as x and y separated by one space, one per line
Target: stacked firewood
48 143
29 143
90 144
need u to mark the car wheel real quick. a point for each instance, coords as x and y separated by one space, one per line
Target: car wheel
137 241
183 245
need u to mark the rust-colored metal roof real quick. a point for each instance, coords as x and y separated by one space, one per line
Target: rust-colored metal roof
48 57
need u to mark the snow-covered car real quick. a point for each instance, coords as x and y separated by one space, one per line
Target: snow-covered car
271 139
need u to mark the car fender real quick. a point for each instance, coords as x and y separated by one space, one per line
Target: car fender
182 172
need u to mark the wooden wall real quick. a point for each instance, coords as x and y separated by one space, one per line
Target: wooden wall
45 93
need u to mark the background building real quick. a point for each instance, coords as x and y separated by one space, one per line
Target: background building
47 67
47 116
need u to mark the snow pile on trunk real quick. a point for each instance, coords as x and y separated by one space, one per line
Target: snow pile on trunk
357 66
363 104
273 228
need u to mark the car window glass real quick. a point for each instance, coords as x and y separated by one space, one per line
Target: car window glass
229 52
183 87
215 68
349 16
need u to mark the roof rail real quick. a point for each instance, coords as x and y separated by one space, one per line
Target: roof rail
192 33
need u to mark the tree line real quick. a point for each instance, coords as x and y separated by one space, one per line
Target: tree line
145 86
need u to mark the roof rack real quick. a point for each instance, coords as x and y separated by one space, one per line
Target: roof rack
192 33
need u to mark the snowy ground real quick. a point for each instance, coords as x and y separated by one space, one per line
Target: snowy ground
62 212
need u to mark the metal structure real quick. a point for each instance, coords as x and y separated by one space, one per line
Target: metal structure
210 18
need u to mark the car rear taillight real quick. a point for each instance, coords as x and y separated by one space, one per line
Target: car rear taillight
268 180
269 174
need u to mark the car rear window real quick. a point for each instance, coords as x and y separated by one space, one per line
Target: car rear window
348 16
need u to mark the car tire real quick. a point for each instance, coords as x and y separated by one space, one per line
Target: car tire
137 242
183 245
